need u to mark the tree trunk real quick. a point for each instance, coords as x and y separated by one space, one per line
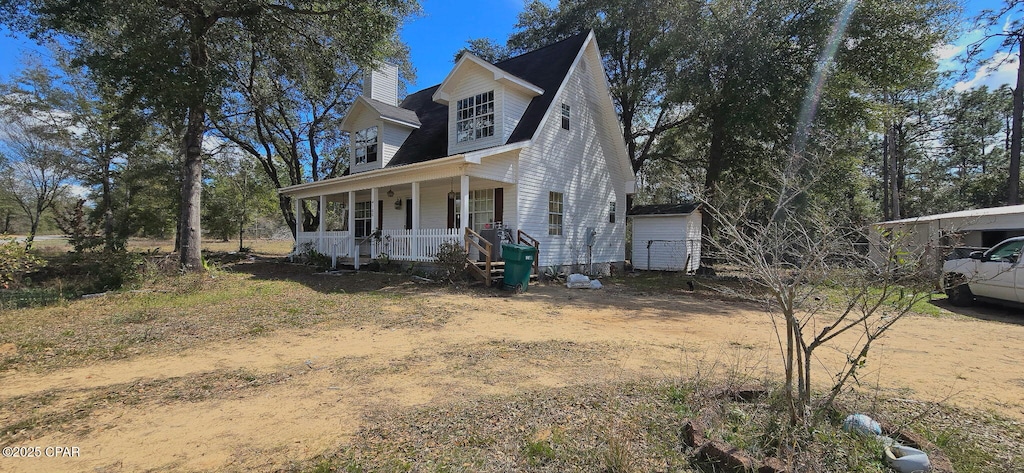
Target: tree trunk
190 225
285 203
894 187
191 191
108 212
1013 192
715 168
886 205
241 230
33 228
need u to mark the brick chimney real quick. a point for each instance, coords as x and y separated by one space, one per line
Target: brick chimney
382 84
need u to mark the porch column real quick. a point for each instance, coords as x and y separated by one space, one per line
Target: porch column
415 220
298 221
374 218
320 211
464 211
352 228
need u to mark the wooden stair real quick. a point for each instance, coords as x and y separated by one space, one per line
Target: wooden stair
497 270
488 271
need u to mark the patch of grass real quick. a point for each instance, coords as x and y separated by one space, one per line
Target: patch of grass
51 411
540 447
616 428
617 457
32 297
171 313
965 455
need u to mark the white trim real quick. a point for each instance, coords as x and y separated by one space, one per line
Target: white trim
414 170
443 95
361 100
399 122
378 173
476 156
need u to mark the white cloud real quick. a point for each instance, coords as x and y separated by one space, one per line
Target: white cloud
947 52
78 191
1002 69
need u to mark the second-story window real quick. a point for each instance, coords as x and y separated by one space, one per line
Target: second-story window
366 145
474 117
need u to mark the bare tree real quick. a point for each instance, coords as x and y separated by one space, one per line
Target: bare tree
820 286
36 166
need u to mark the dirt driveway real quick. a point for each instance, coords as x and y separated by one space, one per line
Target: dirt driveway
287 395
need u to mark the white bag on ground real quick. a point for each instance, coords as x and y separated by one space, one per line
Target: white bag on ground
577 281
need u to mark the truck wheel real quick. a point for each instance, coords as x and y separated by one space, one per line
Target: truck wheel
958 292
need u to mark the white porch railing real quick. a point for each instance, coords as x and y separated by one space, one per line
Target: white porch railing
399 245
333 244
414 245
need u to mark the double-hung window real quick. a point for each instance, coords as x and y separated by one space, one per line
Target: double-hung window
555 213
474 117
364 219
481 208
366 145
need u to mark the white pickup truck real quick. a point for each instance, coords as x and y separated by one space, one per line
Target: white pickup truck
995 275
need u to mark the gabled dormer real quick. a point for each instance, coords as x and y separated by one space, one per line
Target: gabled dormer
377 126
485 103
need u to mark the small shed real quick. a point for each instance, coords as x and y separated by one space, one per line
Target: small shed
666 237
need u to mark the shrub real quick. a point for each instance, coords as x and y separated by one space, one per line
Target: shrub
309 255
15 263
100 271
451 261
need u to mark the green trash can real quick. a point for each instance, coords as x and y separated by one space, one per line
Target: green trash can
518 265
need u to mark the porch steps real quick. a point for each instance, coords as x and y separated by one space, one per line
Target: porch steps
498 270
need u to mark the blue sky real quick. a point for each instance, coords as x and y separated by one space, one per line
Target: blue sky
445 25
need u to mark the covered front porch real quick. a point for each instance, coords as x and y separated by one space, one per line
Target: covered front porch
406 213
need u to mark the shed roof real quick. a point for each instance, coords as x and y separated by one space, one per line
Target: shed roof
664 209
971 213
394 113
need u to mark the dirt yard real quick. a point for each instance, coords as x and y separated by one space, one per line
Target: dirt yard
265 399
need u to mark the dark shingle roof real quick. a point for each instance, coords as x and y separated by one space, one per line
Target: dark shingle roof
393 112
430 140
664 209
545 67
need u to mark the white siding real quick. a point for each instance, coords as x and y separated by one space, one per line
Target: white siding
582 164
475 80
514 108
392 138
382 84
667 242
501 167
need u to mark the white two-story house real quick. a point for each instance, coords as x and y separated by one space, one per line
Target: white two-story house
531 144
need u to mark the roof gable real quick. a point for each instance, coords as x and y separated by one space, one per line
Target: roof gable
465 65
389 113
545 68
